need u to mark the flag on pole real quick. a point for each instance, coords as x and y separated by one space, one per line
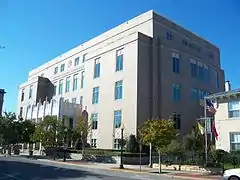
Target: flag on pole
214 130
201 128
210 107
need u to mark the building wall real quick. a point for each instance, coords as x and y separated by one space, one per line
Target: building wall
147 75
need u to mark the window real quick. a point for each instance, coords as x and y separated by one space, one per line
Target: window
201 94
117 118
234 109
67 88
193 64
76 61
206 74
70 123
117 143
169 36
176 92
82 79
216 79
184 42
21 111
67 100
75 82
177 121
84 57
62 67
55 90
97 68
119 60
118 89
94 118
30 92
94 143
81 100
55 70
200 71
74 100
234 141
60 88
22 95
95 96
194 94
175 61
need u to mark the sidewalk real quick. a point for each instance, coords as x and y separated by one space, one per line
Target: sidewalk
136 169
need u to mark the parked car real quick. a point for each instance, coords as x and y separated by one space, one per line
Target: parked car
231 174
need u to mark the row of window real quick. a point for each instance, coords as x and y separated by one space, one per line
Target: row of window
119 64
198 69
169 36
117 119
117 143
76 63
195 93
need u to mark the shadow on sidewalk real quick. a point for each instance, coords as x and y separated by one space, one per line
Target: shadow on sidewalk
29 171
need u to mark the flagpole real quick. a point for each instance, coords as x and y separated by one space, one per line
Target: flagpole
206 139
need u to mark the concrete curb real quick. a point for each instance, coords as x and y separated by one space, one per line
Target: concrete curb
190 178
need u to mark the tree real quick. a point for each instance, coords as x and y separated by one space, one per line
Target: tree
194 143
159 133
50 131
81 130
132 144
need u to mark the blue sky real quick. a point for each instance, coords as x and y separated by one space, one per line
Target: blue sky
35 32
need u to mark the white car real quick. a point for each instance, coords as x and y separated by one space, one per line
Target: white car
231 174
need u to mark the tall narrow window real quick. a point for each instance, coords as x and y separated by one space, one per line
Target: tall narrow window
118 90
55 70
206 74
76 61
94 143
216 80
30 92
75 82
21 112
177 121
82 79
176 92
84 57
81 100
194 94
94 118
22 95
55 89
200 70
95 96
193 65
175 62
117 118
62 67
169 35
74 100
67 89
119 60
97 68
60 89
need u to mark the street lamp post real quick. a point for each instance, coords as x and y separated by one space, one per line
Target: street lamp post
121 160
65 145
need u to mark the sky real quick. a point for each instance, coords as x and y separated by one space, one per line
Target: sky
35 32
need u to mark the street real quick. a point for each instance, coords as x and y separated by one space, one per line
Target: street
15 168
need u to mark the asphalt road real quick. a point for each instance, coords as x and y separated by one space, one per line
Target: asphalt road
13 168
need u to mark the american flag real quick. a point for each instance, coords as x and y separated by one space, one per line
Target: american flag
210 107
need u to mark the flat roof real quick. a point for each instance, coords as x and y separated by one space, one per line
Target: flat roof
235 92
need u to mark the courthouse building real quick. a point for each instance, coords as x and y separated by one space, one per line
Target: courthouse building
145 68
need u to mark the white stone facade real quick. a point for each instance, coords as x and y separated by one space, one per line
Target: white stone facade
124 76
